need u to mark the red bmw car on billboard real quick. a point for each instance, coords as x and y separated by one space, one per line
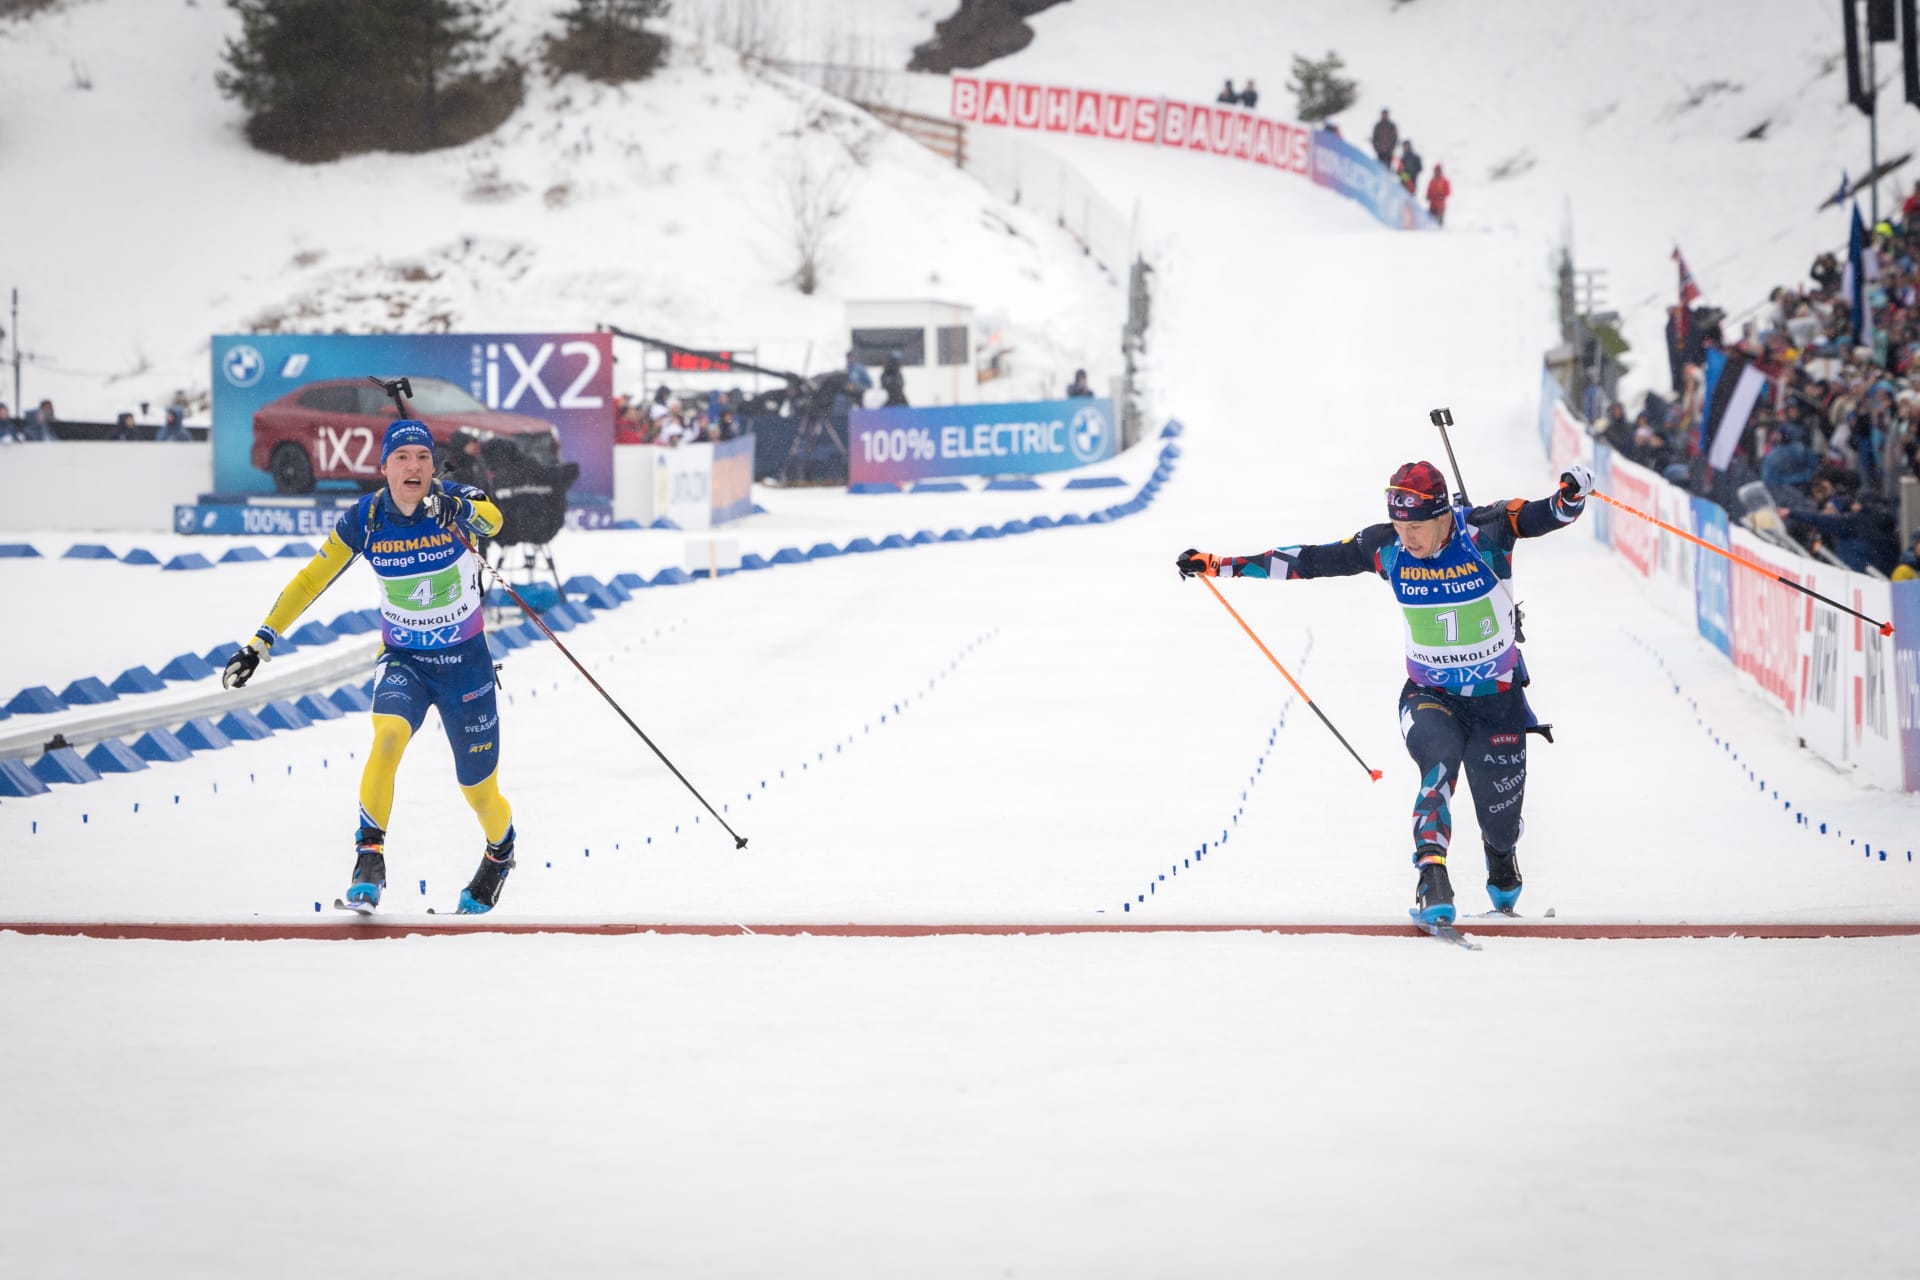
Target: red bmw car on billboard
331 431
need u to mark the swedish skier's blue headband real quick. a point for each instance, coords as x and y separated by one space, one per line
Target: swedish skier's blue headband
404 432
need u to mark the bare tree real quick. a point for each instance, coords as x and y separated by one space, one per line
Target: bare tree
816 200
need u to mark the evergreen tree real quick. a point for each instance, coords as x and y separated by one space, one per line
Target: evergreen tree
294 68
1318 89
431 42
607 40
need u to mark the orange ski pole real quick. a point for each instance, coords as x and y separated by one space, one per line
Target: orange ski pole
1885 628
1371 773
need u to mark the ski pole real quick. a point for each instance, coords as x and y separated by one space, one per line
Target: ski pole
1885 628
399 387
1443 418
1371 773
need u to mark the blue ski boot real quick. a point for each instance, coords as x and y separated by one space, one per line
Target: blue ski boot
1503 878
369 868
483 891
1433 898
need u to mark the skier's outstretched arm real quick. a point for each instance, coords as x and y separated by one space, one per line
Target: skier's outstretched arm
1358 554
1543 515
314 577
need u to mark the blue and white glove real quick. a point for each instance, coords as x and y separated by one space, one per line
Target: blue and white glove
449 509
1576 482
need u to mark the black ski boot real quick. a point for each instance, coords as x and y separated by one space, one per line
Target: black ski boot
1433 898
1503 878
483 891
369 866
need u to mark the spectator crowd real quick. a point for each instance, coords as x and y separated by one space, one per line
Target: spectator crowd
1837 422
42 423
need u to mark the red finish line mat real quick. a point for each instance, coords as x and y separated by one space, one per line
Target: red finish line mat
353 928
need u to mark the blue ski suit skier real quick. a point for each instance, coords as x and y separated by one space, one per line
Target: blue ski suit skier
1464 701
416 533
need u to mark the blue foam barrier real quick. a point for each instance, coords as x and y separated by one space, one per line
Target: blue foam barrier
628 525
581 584
186 560
315 707
1173 428
188 666
663 523
283 715
201 734
348 697
112 756
601 598
1099 517
938 486
18 551
137 680
497 646
988 531
788 555
88 691
671 576
217 656
244 726
243 555
89 551
1041 522
366 687
17 779
1016 526
759 510
295 551
371 616
1070 519
923 537
753 561
529 633
38 700
618 591
823 551
64 765
1095 482
1013 484
314 633
874 486
892 542
632 581
580 614
954 535
349 623
139 555
509 638
558 620
860 546
161 744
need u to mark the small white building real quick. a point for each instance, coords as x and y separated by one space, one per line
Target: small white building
933 340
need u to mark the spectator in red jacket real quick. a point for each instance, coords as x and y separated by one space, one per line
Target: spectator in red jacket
1438 189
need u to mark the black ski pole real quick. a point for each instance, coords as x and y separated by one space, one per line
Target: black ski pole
1443 418
399 387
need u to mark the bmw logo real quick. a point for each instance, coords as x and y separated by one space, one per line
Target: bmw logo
1088 433
242 365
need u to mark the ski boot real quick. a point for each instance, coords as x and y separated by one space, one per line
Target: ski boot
369 868
483 891
1433 898
1503 878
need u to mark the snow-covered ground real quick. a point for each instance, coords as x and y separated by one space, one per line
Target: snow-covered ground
1033 728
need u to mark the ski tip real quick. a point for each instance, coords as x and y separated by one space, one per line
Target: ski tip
1375 774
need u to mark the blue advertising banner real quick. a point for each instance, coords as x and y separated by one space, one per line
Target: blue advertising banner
1906 676
1713 577
894 445
239 518
1345 169
294 413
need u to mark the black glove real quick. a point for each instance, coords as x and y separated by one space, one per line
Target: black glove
448 509
1203 563
241 666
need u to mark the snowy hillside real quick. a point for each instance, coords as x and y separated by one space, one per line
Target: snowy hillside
661 207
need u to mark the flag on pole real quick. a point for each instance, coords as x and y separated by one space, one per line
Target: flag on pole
1840 196
1854 280
1734 389
1689 294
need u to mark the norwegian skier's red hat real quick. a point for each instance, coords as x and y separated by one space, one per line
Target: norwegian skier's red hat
1417 492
